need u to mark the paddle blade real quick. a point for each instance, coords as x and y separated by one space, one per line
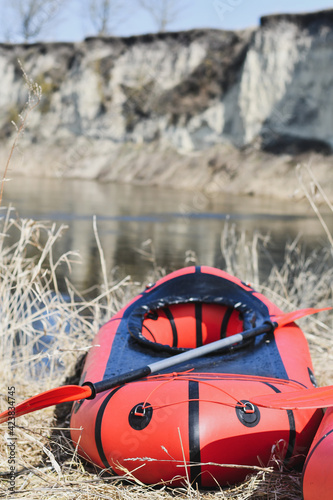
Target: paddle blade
318 397
284 319
48 398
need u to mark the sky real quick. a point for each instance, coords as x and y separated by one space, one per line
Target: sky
72 20
220 14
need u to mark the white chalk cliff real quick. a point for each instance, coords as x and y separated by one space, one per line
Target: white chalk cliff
219 110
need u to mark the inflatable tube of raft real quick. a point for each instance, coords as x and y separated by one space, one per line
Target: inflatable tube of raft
194 422
317 471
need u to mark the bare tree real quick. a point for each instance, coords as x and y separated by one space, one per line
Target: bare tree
105 15
163 12
32 16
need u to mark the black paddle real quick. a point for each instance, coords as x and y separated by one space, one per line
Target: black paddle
158 366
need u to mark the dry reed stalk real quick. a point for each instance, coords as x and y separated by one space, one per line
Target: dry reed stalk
34 98
310 191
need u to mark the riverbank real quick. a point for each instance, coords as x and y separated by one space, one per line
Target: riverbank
222 169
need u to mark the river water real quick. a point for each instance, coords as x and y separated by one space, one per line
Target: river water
174 221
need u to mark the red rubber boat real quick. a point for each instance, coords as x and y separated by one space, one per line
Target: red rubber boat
196 422
317 471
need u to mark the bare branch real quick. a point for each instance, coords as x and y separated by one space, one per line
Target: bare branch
105 15
163 12
34 15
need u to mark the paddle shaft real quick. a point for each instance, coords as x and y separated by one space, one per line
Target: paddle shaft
158 366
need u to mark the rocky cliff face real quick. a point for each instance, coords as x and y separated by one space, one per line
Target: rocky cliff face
204 108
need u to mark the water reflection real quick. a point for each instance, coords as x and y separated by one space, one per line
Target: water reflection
175 221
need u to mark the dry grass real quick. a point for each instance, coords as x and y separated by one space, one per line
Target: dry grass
42 334
47 465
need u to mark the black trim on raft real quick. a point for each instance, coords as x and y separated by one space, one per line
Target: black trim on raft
194 434
225 321
312 378
98 428
150 333
198 323
170 317
292 428
198 269
292 436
